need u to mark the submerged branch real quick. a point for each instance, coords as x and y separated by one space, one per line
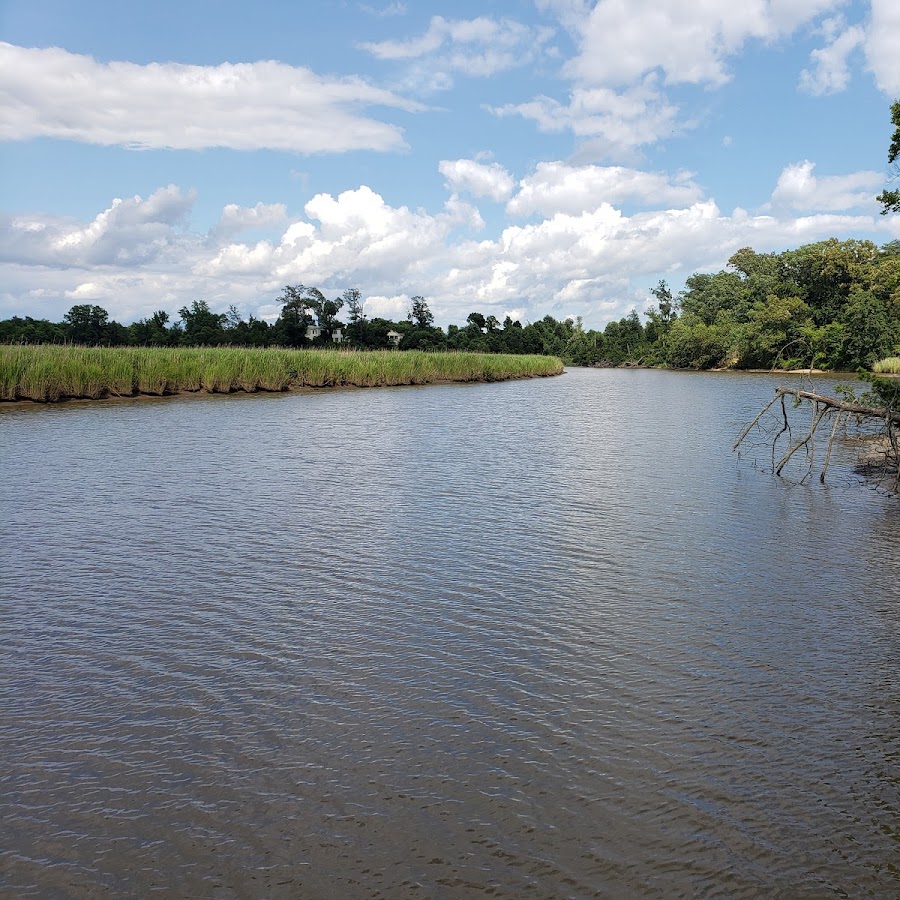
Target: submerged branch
823 406
834 431
806 442
759 415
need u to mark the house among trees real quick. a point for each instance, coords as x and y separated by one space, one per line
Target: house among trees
394 337
314 332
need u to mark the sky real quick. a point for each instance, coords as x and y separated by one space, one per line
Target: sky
512 157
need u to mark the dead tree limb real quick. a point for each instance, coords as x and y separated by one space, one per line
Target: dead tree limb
806 442
759 415
824 406
834 431
870 412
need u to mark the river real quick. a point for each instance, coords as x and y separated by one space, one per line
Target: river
545 638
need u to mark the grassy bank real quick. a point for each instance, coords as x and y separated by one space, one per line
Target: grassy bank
889 366
48 372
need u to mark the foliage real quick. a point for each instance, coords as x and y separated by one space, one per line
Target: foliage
354 301
890 200
419 313
695 344
833 305
202 327
87 324
296 316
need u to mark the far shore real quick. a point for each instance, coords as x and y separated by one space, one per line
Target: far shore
729 370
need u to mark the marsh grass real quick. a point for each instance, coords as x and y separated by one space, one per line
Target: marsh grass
889 366
49 372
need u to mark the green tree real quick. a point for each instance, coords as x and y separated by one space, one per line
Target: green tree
327 317
890 200
661 318
354 302
423 338
32 331
419 313
325 311
625 340
373 333
477 320
668 305
870 329
826 344
202 327
695 344
153 331
724 296
774 334
822 274
296 316
86 323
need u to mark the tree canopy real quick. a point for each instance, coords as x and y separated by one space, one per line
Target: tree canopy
890 200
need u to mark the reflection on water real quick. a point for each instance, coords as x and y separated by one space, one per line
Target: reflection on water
543 638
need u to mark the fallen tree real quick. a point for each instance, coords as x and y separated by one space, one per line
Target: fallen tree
881 422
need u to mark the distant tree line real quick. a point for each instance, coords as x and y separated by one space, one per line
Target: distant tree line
307 319
833 305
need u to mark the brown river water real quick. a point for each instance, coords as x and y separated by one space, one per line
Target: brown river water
544 638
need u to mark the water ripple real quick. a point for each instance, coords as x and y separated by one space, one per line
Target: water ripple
502 640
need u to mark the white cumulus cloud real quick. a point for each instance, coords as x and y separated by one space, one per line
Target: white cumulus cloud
590 262
612 124
798 188
881 45
477 47
243 106
476 178
129 232
631 52
262 216
559 187
690 42
831 71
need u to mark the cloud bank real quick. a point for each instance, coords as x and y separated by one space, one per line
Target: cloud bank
581 256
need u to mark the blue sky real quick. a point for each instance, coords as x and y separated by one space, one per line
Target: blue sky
517 157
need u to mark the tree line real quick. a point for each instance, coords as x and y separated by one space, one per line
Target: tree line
833 305
307 319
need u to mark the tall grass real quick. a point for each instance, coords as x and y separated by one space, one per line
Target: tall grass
889 366
49 372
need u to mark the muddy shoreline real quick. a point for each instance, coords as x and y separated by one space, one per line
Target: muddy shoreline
241 392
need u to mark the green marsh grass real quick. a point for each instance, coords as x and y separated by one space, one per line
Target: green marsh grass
889 366
48 372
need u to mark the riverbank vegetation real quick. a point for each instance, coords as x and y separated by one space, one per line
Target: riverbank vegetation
829 305
832 305
49 372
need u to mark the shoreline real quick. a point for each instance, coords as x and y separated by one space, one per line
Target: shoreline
185 393
724 370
